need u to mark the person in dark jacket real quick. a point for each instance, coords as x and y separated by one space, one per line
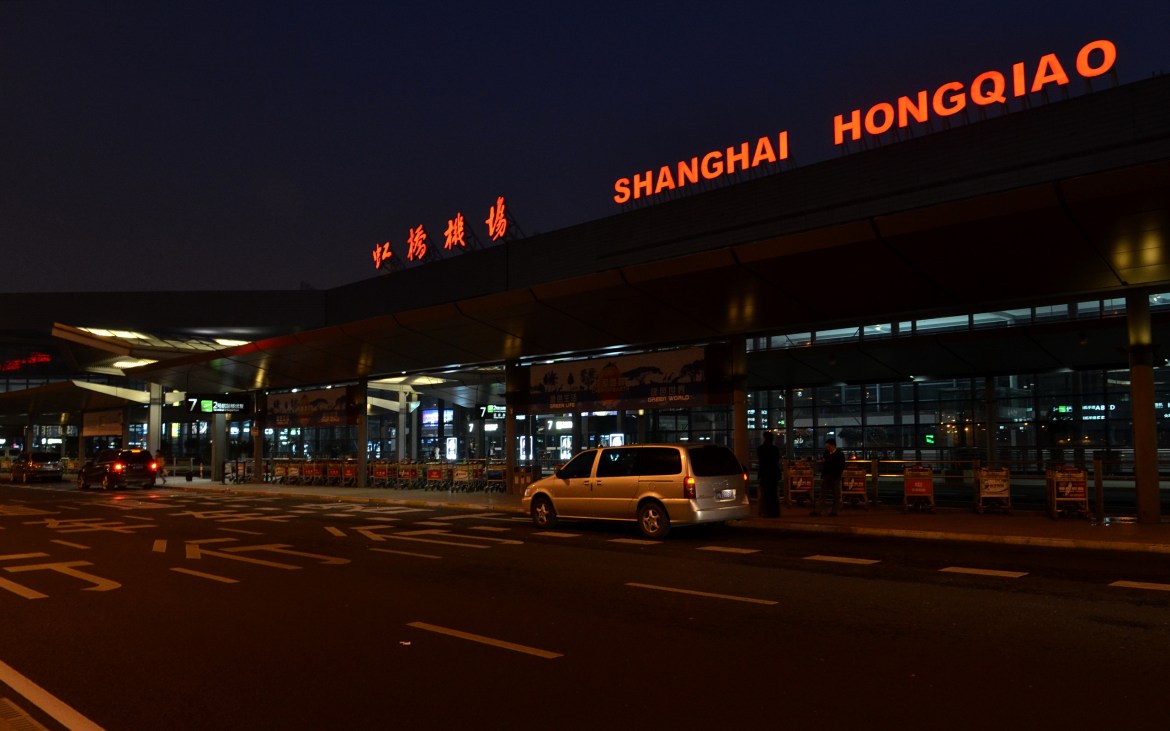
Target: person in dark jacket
832 465
768 455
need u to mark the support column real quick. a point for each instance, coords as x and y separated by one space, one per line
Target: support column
403 413
259 421
154 419
219 449
1141 396
363 431
515 386
739 401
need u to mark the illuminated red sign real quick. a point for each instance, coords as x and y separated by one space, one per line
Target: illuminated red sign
455 235
990 87
1095 58
17 364
712 165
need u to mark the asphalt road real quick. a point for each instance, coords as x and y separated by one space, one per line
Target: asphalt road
169 610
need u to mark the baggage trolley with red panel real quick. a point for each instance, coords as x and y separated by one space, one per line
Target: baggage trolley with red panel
853 487
918 488
798 482
1068 492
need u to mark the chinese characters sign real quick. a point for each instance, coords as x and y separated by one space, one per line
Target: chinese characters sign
455 236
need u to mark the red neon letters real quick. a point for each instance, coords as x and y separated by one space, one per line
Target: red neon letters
990 87
714 164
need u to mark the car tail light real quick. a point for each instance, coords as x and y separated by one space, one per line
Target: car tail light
154 466
118 467
689 488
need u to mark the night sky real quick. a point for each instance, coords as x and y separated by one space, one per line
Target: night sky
256 145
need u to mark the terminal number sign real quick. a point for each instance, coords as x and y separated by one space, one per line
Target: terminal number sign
218 404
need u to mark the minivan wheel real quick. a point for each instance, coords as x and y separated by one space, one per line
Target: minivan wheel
653 520
544 515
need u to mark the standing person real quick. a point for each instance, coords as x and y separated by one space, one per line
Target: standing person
769 477
832 465
161 461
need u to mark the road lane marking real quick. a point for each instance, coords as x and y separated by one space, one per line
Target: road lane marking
160 545
22 556
241 530
21 590
728 549
634 541
70 545
490 528
842 559
1141 585
200 574
45 700
404 553
692 592
486 640
335 531
557 534
985 572
431 523
138 517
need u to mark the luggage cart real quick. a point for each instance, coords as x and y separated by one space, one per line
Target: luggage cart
461 478
313 473
408 477
495 477
993 489
479 476
332 473
798 482
853 486
293 473
917 488
349 474
1068 492
379 474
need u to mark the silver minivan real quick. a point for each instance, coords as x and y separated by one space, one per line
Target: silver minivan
657 485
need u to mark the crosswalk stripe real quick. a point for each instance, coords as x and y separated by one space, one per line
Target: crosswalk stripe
842 559
728 549
1141 585
557 534
985 572
634 541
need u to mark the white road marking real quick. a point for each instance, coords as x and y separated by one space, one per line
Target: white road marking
556 534
1141 585
335 531
486 640
138 517
404 553
728 549
241 530
842 559
490 528
160 545
472 515
431 523
692 592
45 700
21 556
985 572
634 541
200 574
70 545
20 590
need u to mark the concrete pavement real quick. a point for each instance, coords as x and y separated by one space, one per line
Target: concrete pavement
1020 528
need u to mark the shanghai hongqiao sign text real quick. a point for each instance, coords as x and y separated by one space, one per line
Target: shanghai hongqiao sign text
417 244
988 88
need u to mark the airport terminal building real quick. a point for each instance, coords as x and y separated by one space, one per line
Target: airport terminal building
992 290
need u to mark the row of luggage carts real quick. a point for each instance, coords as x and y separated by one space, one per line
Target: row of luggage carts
474 476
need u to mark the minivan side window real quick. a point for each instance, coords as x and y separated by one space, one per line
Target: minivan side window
578 467
617 462
658 461
712 461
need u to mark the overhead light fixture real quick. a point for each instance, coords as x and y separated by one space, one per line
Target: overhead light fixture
124 364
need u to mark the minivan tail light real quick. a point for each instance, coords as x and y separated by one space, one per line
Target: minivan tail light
154 466
689 488
118 467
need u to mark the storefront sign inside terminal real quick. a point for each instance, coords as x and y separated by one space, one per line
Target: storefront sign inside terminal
990 88
658 380
455 236
322 407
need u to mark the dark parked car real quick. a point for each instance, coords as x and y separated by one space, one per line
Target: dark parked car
119 468
36 466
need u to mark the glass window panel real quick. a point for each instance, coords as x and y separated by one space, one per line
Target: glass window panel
935 324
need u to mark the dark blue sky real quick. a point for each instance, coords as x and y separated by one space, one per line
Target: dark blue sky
235 145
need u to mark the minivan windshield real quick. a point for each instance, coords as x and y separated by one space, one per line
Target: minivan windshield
711 461
44 457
